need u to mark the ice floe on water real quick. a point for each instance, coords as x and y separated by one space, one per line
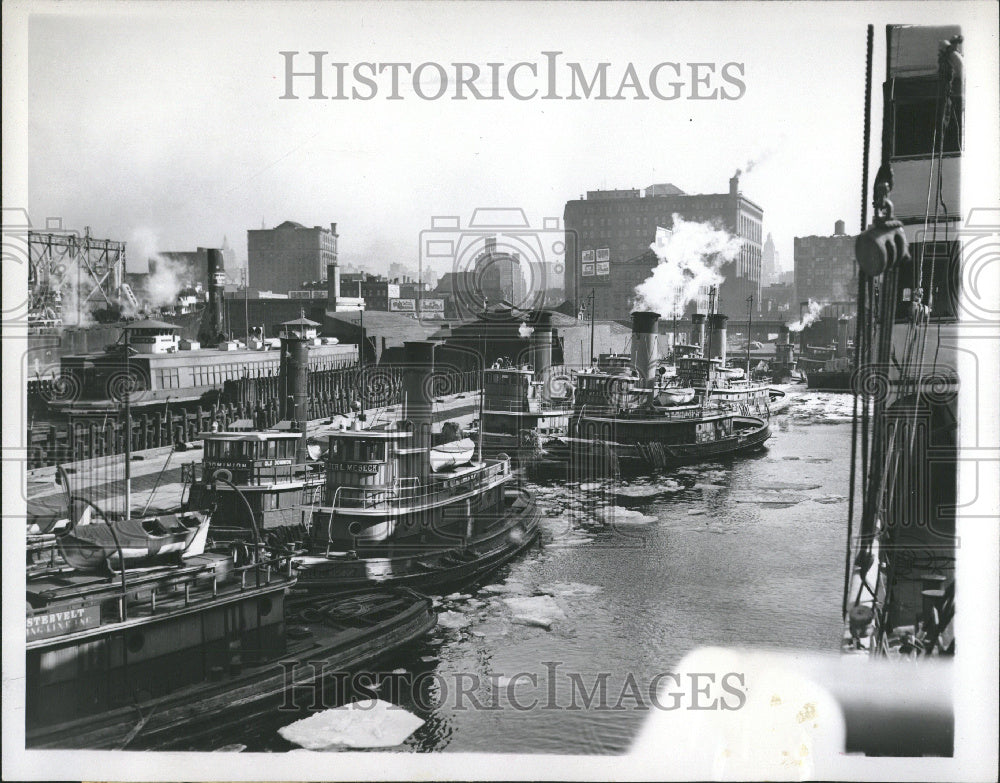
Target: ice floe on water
769 498
830 499
453 620
782 485
540 611
570 588
370 723
618 516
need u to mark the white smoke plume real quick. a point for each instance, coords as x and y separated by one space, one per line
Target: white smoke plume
690 259
166 278
525 331
76 309
811 315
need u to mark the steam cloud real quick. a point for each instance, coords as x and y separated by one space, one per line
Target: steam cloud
690 257
525 331
166 278
811 315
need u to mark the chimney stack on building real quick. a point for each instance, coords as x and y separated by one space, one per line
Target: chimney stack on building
645 348
698 330
717 339
212 329
734 184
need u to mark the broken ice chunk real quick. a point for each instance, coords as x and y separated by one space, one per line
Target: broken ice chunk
370 723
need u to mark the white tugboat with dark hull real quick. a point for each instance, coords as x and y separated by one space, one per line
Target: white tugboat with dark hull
388 518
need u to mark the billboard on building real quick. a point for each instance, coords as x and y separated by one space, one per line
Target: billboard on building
402 305
432 305
603 268
603 254
587 256
588 270
392 290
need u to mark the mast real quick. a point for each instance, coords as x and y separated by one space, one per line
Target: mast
128 432
482 391
361 415
749 332
593 294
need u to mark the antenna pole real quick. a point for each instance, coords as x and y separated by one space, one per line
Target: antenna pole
593 293
128 432
749 333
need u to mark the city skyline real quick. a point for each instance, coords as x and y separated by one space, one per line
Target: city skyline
184 166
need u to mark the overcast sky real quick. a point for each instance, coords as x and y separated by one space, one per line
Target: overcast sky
162 125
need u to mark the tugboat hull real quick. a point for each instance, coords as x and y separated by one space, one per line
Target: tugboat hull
430 569
576 455
208 707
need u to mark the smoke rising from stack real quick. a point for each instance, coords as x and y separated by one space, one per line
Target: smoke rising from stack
166 278
811 316
690 260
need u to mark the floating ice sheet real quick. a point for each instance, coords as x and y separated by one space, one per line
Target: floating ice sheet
540 611
370 723
618 516
453 620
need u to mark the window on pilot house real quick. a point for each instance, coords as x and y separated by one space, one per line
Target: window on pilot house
915 112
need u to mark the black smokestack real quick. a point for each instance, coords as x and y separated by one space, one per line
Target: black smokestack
212 330
843 332
717 330
418 401
293 381
645 350
541 346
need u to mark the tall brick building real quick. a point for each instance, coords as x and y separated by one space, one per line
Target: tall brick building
282 258
609 232
825 268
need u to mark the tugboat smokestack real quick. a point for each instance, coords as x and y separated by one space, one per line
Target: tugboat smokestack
698 330
717 329
293 381
541 346
645 348
418 409
843 329
212 324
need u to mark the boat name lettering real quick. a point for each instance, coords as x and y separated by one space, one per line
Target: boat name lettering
356 467
42 626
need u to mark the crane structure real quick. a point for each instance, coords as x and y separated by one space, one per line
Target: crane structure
70 275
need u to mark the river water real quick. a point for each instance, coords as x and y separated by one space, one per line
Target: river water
632 576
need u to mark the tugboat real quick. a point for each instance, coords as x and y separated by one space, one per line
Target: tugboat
620 422
154 658
835 372
387 518
518 414
271 474
139 635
